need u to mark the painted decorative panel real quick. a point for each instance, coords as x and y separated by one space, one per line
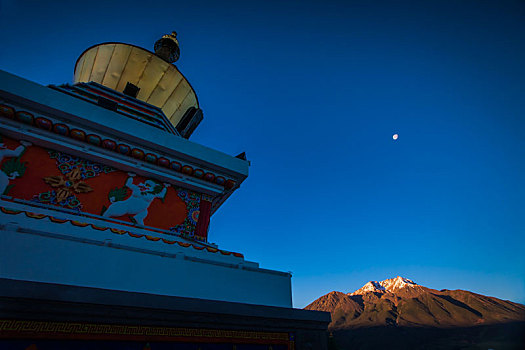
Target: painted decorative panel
44 335
129 345
52 179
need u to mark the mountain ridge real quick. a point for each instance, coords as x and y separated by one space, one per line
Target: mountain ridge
402 302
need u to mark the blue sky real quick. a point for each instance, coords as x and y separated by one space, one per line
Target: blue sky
313 92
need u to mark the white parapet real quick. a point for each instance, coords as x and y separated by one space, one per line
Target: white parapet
43 250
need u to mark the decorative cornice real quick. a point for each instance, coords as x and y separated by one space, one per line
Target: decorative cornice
76 223
125 105
28 118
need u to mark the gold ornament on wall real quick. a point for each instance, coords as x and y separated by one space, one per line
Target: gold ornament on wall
66 186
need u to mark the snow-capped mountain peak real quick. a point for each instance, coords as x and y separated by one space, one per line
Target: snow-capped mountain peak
401 302
389 285
397 283
372 286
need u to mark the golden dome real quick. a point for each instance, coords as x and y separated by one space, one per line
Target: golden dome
114 65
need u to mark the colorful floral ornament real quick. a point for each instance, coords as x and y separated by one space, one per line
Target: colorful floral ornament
195 215
66 187
66 163
192 201
50 197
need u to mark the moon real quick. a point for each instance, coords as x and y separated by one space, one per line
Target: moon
395 136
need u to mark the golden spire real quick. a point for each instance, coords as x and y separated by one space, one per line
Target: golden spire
167 47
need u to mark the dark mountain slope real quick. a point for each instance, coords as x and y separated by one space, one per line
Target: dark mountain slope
395 302
399 314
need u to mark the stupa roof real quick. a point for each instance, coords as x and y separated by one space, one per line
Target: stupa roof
160 83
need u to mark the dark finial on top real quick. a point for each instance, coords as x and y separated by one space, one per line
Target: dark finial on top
167 47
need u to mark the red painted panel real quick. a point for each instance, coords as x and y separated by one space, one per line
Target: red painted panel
204 219
56 179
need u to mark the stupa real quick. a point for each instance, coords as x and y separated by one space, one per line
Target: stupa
104 217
